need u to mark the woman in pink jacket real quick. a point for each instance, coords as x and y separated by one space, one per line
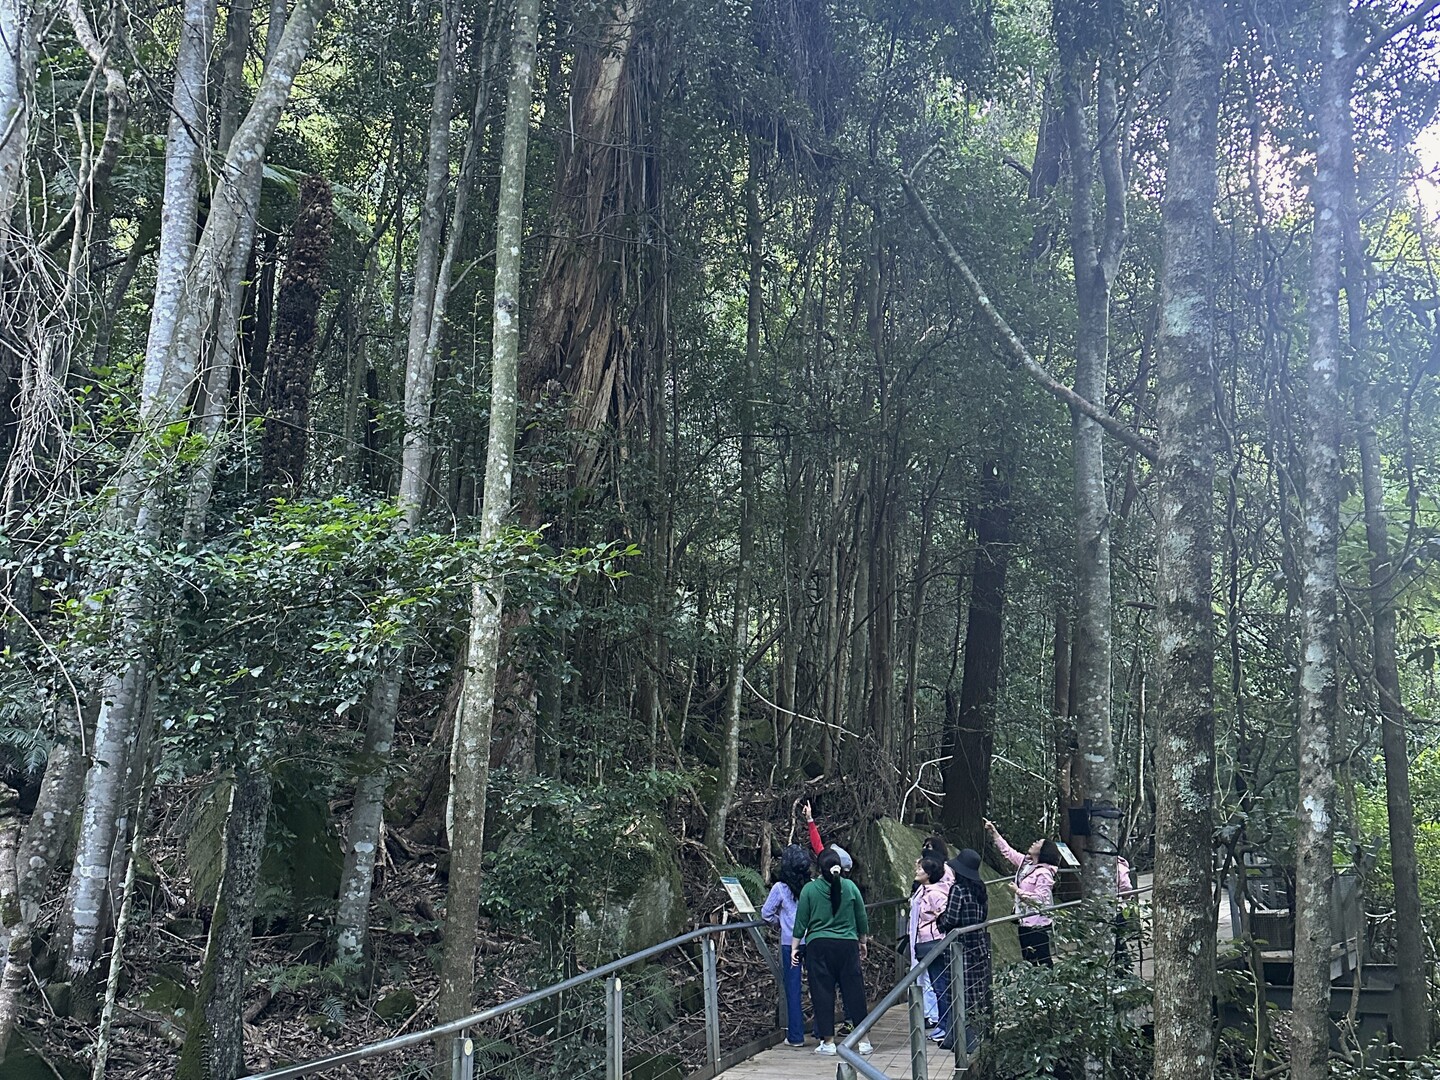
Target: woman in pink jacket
1034 892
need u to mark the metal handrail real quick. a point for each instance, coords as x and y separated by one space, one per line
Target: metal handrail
455 1027
847 1048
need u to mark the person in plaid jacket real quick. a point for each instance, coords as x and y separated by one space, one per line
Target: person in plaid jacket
968 906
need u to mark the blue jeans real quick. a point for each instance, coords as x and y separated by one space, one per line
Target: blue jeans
794 1016
939 979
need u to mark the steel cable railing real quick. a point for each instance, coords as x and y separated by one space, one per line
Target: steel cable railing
851 1061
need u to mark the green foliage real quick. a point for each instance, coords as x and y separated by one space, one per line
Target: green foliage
581 842
1100 1011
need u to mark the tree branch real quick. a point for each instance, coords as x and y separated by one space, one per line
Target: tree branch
1395 29
1010 342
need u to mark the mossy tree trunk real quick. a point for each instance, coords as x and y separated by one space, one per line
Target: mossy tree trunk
1185 749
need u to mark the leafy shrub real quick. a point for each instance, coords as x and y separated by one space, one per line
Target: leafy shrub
1049 1021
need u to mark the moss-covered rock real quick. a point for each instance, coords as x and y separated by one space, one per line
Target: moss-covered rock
648 908
886 850
26 1060
300 872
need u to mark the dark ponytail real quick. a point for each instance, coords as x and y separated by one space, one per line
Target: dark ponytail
830 871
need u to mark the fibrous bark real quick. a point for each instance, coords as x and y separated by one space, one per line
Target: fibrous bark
1185 541
470 755
291 366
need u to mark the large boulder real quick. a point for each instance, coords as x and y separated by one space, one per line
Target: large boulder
300 870
885 854
886 851
644 907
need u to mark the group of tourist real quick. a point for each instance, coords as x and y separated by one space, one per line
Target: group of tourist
823 926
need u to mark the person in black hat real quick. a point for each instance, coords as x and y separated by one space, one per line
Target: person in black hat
969 906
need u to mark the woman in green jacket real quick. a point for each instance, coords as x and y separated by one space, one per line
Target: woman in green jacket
830 918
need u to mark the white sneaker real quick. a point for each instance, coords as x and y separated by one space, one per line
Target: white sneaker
826 1048
865 1047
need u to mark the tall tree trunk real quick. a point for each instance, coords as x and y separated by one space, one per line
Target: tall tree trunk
1413 1031
970 719
1319 625
470 757
719 810
122 693
1185 543
291 368
1097 259
427 315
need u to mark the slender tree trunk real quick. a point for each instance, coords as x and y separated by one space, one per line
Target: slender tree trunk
470 759
1185 540
1319 626
122 694
1413 1031
719 810
970 719
427 316
19 53
1097 260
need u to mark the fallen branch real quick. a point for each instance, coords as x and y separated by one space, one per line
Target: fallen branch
1013 347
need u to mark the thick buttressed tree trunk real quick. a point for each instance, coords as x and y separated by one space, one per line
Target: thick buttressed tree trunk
1185 541
582 357
1097 236
719 810
291 367
970 718
470 756
1319 621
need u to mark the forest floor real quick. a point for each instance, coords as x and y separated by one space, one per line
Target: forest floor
298 1009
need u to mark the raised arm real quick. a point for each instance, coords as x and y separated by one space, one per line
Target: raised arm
814 830
1011 855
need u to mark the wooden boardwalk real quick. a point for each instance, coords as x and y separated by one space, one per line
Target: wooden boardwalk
892 1057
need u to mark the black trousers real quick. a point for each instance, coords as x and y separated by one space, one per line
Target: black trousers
1035 944
835 963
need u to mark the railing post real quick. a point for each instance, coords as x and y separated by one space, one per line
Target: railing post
712 1004
919 1063
462 1059
614 1030
902 933
958 1030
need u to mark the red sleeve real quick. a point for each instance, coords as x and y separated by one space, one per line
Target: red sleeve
815 837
